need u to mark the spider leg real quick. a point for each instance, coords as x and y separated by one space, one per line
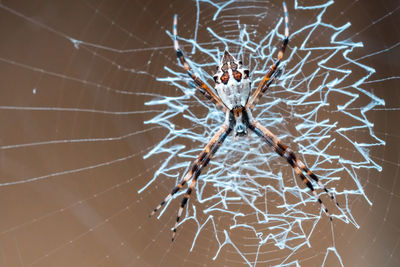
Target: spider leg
211 149
298 166
196 165
267 80
204 89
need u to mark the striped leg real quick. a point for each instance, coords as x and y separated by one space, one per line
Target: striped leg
204 89
310 174
267 80
219 138
298 166
195 166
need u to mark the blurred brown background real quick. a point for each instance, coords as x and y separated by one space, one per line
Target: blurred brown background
72 136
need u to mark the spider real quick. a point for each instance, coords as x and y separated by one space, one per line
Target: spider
232 84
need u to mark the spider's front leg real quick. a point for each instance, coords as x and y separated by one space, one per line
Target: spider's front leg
203 88
298 166
270 76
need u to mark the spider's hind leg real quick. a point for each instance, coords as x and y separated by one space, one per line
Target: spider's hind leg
202 160
196 165
298 166
316 179
211 148
175 189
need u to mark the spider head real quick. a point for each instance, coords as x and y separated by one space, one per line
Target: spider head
232 81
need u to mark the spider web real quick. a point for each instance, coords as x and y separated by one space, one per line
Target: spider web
79 78
252 177
260 203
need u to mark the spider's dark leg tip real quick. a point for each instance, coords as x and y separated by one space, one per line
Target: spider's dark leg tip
286 41
330 218
173 235
179 53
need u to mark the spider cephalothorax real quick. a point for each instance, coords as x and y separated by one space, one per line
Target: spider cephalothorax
232 85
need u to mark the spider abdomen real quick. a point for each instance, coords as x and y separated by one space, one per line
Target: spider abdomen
232 82
234 93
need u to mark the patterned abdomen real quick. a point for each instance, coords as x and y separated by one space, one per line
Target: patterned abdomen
234 93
